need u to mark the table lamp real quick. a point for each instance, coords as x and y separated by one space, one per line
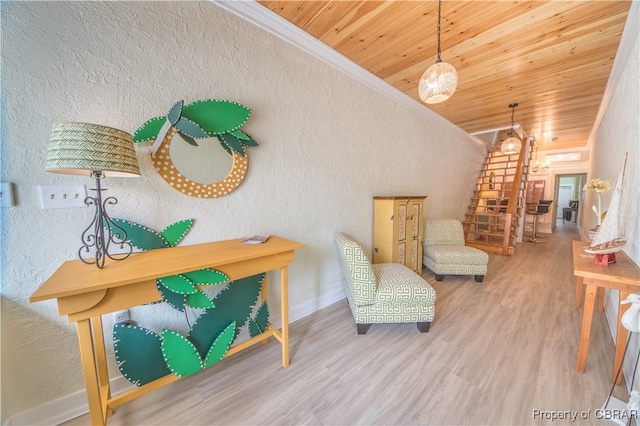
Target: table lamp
96 151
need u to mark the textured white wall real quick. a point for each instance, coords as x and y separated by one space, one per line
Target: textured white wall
619 132
327 145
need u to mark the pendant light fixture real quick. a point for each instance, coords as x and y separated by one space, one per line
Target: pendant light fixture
512 144
537 167
440 80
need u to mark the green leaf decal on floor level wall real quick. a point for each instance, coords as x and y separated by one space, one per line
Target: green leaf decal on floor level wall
220 346
138 354
175 300
234 303
143 356
183 359
258 324
181 356
199 300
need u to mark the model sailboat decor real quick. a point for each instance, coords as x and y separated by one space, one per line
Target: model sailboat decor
610 237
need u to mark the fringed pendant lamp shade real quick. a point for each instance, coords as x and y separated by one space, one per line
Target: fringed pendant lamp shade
440 80
512 144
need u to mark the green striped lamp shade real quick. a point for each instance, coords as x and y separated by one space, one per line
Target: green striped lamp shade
81 148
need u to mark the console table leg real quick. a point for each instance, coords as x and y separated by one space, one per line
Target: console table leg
284 315
579 289
101 363
90 369
587 317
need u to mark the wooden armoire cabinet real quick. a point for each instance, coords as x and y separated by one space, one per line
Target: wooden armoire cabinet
397 230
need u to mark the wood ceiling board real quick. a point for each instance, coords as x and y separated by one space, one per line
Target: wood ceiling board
552 57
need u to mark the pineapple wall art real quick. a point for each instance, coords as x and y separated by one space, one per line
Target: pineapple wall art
199 148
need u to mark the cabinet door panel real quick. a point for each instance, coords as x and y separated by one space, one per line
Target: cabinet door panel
402 222
415 256
415 220
402 253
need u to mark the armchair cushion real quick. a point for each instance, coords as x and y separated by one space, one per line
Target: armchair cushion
397 284
456 255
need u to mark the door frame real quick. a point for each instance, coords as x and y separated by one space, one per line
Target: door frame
582 179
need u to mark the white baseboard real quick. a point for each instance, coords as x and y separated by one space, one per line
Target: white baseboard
71 406
307 308
65 408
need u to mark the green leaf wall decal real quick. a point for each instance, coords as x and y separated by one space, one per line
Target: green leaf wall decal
181 356
180 290
221 345
178 284
149 130
232 143
175 112
206 277
175 300
138 354
140 236
245 138
175 232
234 303
259 324
217 116
199 300
142 355
190 129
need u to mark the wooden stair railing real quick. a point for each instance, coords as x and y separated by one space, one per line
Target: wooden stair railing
492 221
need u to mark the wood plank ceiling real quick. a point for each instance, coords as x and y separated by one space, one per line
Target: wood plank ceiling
551 57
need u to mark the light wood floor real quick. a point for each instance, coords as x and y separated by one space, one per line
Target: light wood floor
496 351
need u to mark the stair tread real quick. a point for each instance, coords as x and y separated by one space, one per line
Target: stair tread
499 176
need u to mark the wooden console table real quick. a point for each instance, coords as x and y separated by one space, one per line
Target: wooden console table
623 276
84 293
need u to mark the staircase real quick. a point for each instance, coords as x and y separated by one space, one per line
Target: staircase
492 222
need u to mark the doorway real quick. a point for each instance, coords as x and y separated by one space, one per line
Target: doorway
566 193
568 187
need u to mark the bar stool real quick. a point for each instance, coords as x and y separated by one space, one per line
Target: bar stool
542 208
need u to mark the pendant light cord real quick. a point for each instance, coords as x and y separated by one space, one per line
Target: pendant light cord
439 7
513 111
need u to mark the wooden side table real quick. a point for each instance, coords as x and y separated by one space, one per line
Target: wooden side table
624 276
84 293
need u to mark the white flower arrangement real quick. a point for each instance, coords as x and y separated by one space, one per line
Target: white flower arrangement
598 186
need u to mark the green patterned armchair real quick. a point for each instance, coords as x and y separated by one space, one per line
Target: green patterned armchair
445 253
384 292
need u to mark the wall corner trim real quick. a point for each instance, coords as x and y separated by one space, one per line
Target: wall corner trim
259 15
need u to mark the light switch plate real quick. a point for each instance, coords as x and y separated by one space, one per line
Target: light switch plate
6 195
62 196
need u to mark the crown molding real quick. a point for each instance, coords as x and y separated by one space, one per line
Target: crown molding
262 17
629 36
